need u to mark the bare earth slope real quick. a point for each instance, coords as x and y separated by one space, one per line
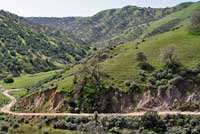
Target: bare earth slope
7 110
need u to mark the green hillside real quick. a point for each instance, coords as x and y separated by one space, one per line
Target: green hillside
113 26
126 70
28 48
123 66
114 76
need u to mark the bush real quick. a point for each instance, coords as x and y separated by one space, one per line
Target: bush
163 81
169 76
46 132
195 23
152 121
8 80
60 125
127 83
71 126
158 83
141 57
115 130
133 86
146 66
175 81
15 125
169 57
152 80
40 126
4 128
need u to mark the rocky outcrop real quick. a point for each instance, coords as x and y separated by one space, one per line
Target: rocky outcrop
46 101
166 97
179 94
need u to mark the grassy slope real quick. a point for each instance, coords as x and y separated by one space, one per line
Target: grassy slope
29 48
19 94
24 129
183 15
24 82
3 99
124 67
118 25
28 80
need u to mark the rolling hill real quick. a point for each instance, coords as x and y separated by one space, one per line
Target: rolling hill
29 48
108 27
128 70
114 81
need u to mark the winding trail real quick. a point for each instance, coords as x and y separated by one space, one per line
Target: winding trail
7 110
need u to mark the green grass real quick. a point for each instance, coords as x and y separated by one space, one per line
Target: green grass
28 129
124 66
66 82
19 94
3 99
28 80
183 15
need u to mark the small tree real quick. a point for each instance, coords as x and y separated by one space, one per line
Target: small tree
141 57
8 80
151 121
143 64
195 26
196 19
169 56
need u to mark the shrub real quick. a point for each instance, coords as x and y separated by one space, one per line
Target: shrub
141 57
175 81
169 57
183 73
60 125
71 126
146 66
198 76
15 125
169 76
40 126
104 56
195 23
134 87
152 121
158 83
152 80
115 130
46 132
8 80
142 73
4 128
149 119
127 83
142 78
163 82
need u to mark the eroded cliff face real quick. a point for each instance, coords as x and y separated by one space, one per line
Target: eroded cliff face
183 95
110 101
46 101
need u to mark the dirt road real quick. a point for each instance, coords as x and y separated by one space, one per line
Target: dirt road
7 110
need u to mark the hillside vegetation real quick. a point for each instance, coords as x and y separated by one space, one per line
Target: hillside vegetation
28 48
116 80
124 60
108 27
122 65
